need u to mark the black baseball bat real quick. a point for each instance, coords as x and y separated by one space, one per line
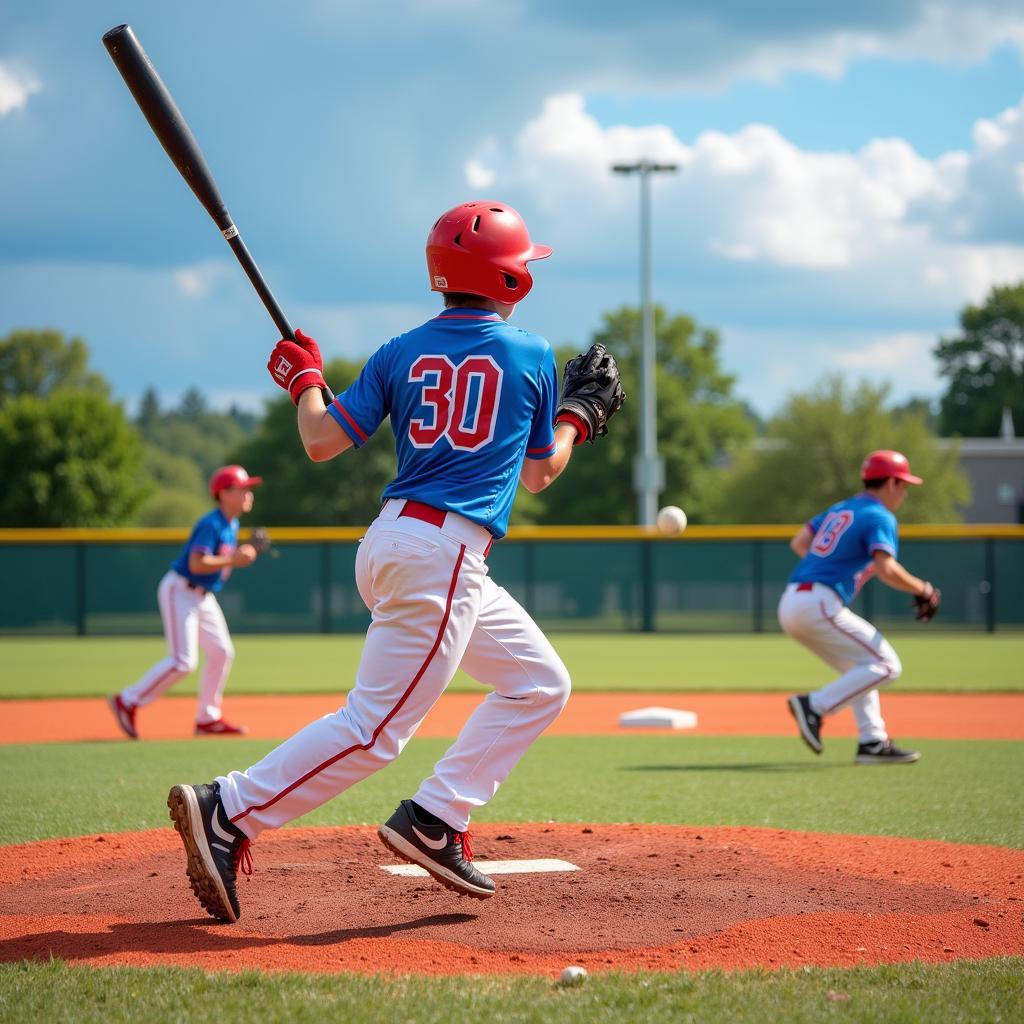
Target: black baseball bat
164 117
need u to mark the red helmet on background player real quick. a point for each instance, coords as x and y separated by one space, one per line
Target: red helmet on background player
231 476
482 248
885 463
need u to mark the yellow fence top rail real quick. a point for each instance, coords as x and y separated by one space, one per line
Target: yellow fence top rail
319 534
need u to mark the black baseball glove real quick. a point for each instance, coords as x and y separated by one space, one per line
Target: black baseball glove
927 604
591 392
259 538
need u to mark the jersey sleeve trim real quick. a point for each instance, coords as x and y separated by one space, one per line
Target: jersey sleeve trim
882 546
347 423
202 549
541 453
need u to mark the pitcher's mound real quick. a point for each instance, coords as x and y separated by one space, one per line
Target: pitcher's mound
644 897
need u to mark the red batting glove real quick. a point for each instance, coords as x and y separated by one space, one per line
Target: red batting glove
297 365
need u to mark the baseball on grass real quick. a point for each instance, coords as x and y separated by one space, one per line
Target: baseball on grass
573 975
671 520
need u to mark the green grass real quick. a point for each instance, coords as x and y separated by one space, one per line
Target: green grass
95 666
962 791
966 992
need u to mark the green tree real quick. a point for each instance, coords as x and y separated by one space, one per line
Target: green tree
71 459
40 362
298 492
811 453
192 430
178 493
698 419
985 366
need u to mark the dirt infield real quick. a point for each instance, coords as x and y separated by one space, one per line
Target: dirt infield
645 897
922 716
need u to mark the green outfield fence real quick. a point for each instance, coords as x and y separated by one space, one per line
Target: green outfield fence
601 579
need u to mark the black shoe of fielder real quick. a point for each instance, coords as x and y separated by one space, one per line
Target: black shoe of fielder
808 721
215 848
441 851
883 752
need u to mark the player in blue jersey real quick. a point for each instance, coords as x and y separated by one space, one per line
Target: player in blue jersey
840 550
192 617
475 410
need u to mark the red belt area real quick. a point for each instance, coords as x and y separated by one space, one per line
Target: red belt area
429 514
425 513
805 586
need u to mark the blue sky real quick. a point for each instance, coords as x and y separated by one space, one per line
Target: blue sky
849 179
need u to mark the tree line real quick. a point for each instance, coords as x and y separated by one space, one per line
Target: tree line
71 456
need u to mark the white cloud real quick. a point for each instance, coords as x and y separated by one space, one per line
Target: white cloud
478 176
197 282
753 197
906 354
355 330
16 85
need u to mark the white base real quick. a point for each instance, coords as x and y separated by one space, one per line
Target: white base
658 718
489 867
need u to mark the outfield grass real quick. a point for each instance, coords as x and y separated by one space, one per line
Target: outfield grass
959 993
962 791
95 666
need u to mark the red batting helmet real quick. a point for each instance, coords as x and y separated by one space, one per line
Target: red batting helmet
231 476
482 248
886 463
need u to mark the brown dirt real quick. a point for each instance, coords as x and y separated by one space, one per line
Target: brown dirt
922 716
647 897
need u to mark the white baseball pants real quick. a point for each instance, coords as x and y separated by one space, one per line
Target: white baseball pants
819 620
433 607
193 621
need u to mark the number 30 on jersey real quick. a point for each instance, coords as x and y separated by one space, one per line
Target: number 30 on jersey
462 401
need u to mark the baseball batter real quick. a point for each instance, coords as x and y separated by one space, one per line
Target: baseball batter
840 550
475 411
192 617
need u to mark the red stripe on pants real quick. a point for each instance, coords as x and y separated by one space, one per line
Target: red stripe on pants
387 718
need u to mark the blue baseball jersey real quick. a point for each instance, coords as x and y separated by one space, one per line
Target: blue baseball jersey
469 397
214 534
846 537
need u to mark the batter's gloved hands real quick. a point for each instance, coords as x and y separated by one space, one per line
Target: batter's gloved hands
926 604
591 393
297 365
260 540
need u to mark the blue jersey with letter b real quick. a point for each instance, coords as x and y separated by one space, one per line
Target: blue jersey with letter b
846 537
214 534
469 398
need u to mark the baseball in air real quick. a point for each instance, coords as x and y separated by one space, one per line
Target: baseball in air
671 520
573 975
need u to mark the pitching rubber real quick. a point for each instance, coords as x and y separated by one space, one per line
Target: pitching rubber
401 847
202 871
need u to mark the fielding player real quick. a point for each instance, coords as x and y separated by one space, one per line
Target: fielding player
475 410
192 617
840 550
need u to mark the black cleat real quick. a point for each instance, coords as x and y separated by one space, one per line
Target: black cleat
441 851
808 721
215 848
883 752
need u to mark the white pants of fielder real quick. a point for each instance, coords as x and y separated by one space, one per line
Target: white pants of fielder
193 621
851 645
434 608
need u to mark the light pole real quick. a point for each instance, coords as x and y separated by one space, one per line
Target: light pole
648 469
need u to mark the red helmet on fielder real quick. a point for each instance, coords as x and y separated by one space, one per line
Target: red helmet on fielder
232 476
482 248
885 463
